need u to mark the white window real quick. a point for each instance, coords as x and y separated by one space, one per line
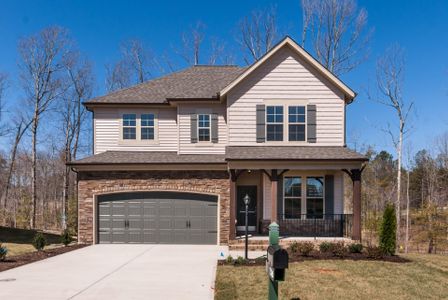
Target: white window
147 126
296 123
129 126
315 197
292 197
204 128
305 200
274 123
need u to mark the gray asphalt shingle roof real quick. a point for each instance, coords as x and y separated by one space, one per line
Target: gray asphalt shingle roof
197 82
291 153
232 153
147 157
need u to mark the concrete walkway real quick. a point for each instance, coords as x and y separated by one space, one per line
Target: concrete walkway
117 272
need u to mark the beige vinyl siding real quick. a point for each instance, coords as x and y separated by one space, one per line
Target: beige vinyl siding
185 145
286 78
107 127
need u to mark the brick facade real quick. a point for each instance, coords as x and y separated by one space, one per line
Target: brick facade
92 184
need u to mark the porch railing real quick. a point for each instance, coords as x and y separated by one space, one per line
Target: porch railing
325 225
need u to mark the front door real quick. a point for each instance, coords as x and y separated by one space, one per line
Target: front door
242 191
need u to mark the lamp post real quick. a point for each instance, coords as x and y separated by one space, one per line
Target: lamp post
246 203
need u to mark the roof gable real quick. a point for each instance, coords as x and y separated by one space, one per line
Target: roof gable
288 42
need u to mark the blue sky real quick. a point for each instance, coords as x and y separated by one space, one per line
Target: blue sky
98 27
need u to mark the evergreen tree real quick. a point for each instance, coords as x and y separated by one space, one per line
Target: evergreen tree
388 231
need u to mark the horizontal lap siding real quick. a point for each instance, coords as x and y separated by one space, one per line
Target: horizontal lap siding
185 144
107 131
285 77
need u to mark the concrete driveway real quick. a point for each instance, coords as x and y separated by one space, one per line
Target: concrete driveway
117 272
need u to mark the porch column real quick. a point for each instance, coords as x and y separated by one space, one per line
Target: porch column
274 194
356 178
232 215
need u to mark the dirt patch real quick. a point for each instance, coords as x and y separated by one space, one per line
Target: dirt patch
20 260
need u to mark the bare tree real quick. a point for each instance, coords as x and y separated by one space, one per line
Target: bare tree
389 77
139 58
40 66
21 127
118 76
258 33
80 81
338 31
307 13
219 54
3 82
191 44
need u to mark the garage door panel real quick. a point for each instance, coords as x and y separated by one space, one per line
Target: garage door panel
157 217
150 237
118 237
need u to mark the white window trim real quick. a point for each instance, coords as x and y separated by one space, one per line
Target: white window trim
138 141
303 197
274 123
209 127
291 102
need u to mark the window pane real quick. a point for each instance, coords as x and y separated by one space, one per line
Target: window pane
204 134
129 133
204 121
292 186
129 120
315 208
147 133
296 132
274 133
147 120
292 208
296 114
315 187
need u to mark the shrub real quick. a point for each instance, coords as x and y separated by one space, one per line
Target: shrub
294 247
374 252
66 237
325 247
3 252
305 248
39 241
338 249
355 248
240 260
229 259
388 231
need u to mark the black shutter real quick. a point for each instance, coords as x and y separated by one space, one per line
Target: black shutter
194 128
214 128
311 123
329 196
261 116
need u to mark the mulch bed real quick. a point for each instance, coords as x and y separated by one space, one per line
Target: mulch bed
315 255
23 259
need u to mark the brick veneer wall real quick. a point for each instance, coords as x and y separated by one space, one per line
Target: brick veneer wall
91 184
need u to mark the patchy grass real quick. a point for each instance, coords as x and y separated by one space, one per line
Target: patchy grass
426 277
19 241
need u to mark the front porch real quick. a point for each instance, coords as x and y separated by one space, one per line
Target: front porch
306 199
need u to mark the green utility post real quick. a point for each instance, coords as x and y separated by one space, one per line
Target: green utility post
273 241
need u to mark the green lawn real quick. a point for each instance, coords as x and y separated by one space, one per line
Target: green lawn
18 241
426 277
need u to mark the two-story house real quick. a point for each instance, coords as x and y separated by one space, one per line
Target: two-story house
174 157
